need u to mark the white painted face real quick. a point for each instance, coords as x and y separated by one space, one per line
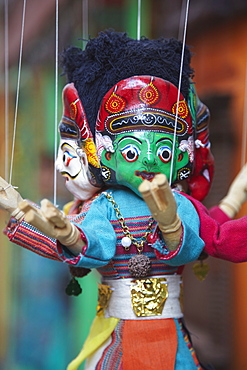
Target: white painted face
72 163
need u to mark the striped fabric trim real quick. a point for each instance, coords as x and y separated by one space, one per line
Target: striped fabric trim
112 355
30 238
118 266
79 210
136 225
189 345
79 206
77 218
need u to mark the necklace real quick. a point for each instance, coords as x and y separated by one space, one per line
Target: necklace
139 265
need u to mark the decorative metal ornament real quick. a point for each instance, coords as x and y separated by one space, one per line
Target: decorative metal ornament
148 296
104 295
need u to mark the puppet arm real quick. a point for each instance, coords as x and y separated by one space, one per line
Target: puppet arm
53 223
9 199
236 195
161 202
20 232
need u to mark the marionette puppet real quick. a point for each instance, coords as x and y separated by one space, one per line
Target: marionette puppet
140 254
91 89
120 238
76 148
112 57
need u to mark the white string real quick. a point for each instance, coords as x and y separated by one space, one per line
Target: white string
84 23
244 130
139 20
17 91
6 73
56 106
181 21
179 88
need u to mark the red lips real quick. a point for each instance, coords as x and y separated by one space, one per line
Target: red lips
145 175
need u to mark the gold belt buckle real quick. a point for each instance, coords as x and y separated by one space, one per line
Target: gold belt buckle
148 296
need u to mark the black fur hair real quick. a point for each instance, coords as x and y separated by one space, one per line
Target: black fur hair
113 56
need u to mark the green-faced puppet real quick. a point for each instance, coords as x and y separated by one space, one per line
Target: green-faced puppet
135 134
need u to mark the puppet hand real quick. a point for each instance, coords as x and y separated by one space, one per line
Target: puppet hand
161 202
236 195
53 223
9 199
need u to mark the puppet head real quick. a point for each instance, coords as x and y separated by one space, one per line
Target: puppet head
77 160
138 121
98 73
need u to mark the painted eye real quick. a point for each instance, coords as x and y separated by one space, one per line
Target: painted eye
67 157
164 154
130 153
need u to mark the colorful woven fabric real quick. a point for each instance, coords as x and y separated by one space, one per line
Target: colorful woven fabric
102 241
141 340
114 352
100 331
32 239
118 266
189 344
139 345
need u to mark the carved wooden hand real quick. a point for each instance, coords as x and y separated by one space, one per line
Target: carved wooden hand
162 204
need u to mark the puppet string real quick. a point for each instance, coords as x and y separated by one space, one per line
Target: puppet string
17 91
56 105
6 74
179 89
84 23
139 20
181 21
7 187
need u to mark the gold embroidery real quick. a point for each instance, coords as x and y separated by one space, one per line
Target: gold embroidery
104 295
148 296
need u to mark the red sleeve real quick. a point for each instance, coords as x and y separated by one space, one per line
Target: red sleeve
227 241
220 216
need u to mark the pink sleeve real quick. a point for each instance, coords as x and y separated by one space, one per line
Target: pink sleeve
228 240
220 216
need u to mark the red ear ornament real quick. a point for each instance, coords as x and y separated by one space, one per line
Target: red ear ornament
201 179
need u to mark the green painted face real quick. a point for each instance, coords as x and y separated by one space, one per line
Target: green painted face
141 155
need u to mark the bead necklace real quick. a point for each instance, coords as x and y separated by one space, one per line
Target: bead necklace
139 265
